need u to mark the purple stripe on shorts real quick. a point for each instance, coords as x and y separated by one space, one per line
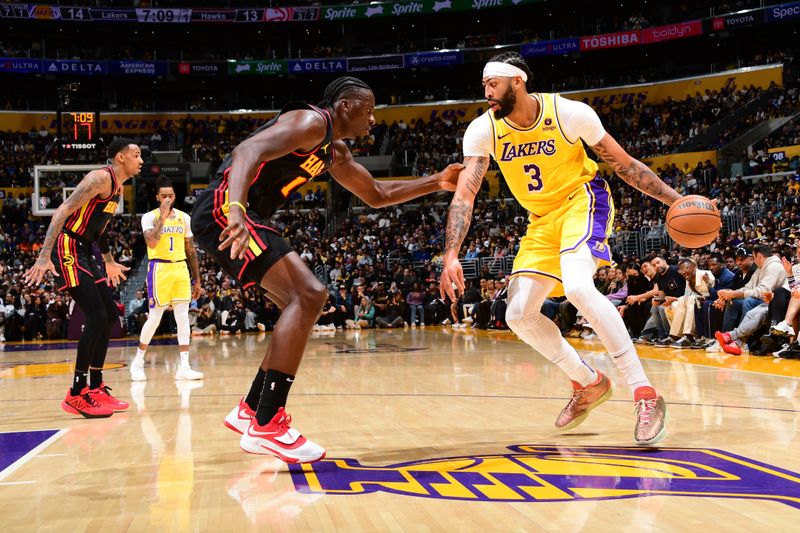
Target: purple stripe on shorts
151 299
602 213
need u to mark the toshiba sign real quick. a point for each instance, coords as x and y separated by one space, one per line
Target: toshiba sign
610 40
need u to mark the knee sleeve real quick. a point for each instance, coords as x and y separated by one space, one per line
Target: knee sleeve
151 325
182 321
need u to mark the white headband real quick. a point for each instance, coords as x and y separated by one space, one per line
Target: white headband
507 70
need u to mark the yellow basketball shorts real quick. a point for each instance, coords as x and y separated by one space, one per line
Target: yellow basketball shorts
585 217
167 283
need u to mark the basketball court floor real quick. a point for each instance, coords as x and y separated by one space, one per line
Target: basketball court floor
426 430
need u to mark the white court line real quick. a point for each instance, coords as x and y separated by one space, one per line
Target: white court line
51 455
4 483
30 455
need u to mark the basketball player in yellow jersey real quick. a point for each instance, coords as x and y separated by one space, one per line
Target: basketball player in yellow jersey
536 140
168 235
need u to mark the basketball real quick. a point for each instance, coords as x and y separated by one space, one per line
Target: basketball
693 221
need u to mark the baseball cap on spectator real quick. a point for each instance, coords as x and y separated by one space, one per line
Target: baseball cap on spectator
743 252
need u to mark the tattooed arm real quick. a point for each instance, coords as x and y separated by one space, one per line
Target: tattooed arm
634 172
93 184
459 216
194 266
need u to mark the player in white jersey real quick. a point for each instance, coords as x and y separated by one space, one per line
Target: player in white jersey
170 246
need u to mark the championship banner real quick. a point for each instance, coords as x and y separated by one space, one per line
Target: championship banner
264 67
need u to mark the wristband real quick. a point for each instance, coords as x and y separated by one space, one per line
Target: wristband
240 204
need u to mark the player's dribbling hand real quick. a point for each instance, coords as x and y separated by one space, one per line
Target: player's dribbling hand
452 281
36 273
448 178
235 235
115 273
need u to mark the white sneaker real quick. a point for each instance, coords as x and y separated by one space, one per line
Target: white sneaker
714 347
784 349
783 329
137 371
240 416
185 372
279 439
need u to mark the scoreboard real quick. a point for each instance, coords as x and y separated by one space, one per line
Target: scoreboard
78 133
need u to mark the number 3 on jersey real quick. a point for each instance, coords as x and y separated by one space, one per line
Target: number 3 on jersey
535 174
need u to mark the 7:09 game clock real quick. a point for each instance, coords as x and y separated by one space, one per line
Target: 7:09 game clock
78 131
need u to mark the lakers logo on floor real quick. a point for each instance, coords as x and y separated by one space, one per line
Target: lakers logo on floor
552 473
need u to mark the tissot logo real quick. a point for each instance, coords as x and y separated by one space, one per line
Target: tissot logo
533 473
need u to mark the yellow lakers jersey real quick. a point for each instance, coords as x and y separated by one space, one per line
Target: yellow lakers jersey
540 165
171 246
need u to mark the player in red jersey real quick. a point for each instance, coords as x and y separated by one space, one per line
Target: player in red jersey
230 222
67 252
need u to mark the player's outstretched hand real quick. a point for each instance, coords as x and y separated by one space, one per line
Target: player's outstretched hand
235 235
35 274
115 273
448 178
452 281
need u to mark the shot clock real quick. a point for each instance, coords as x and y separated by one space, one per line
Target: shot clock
78 130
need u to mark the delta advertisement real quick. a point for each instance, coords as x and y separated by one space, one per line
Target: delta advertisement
651 93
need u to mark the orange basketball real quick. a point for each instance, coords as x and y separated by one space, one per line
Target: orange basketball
693 221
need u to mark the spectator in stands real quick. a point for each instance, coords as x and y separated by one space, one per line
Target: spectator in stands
137 313
206 321
326 319
344 306
745 310
416 305
709 316
392 316
682 327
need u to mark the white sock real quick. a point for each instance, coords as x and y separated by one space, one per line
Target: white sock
602 315
139 359
525 297
185 359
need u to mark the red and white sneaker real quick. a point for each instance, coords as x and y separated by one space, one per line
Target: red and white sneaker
280 440
240 416
85 405
104 397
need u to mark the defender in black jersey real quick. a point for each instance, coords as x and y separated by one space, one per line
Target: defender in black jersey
67 252
299 144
